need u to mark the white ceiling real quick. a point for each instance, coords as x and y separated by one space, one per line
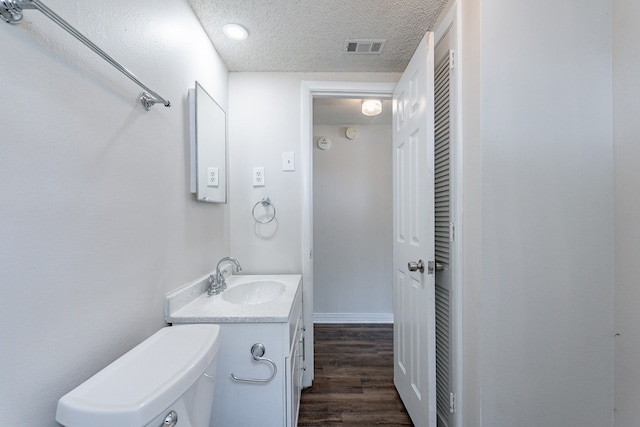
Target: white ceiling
309 35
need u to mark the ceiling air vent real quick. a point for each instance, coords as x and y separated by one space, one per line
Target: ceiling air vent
364 46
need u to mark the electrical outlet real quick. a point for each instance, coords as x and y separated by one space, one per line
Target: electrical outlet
212 177
258 177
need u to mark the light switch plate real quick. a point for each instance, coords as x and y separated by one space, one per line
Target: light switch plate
258 177
289 161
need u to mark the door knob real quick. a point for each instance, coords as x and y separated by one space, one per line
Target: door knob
171 419
415 266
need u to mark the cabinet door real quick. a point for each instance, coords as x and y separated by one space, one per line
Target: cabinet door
295 369
298 371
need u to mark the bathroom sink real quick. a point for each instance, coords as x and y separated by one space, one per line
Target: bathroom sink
257 292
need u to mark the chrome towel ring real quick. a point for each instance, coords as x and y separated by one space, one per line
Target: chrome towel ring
266 202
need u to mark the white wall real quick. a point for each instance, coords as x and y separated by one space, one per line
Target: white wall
546 299
626 96
264 122
97 220
469 75
352 212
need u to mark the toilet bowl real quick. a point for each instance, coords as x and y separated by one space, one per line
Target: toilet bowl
170 375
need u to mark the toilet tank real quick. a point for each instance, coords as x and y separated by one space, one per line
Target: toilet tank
173 370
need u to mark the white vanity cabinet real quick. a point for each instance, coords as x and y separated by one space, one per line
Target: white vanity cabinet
257 396
253 402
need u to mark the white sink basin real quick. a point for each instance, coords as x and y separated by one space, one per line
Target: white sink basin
257 292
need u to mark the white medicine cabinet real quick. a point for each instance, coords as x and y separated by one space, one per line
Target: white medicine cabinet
208 143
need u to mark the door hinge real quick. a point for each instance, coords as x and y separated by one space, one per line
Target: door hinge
452 402
452 232
452 60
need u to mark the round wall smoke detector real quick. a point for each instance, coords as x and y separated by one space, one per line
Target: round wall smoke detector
351 133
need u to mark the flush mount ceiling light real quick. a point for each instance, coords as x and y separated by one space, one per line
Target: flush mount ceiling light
371 107
235 31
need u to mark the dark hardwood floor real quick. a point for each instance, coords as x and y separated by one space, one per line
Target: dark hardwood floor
353 383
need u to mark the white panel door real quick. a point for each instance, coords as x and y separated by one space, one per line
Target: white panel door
413 237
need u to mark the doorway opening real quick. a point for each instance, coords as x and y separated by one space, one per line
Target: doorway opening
352 212
317 90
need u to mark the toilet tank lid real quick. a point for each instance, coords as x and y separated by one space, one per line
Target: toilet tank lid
143 382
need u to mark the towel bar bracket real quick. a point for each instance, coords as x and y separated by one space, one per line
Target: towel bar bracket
11 11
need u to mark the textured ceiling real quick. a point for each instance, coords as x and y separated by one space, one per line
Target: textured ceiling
309 35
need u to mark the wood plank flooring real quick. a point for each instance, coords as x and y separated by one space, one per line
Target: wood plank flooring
353 383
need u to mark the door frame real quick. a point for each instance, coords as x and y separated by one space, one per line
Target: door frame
342 89
320 89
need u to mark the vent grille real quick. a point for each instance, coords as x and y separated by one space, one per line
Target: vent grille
364 46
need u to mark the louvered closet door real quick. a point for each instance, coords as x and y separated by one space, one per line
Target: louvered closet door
442 163
442 205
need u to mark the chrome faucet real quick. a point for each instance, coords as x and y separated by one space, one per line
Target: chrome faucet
217 282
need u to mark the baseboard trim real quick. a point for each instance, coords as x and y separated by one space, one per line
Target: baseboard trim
352 317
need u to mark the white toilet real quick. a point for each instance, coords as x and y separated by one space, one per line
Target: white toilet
167 380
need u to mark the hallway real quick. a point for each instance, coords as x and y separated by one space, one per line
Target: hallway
353 383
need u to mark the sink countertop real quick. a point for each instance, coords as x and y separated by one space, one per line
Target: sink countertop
191 304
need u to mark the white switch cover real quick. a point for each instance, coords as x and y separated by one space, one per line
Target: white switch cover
289 161
258 177
212 177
